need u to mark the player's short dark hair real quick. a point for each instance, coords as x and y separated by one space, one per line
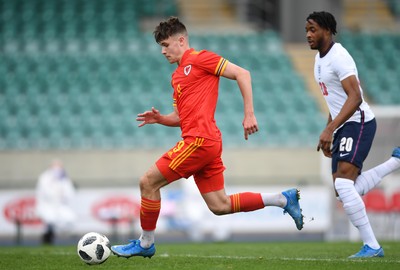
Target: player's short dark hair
324 19
168 28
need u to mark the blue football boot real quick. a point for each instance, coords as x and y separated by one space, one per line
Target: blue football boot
133 249
396 152
368 252
293 207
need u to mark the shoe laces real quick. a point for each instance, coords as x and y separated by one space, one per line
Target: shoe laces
364 249
130 245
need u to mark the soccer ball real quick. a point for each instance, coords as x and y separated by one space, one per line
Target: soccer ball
94 248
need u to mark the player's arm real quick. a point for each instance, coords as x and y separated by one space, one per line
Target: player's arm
354 100
243 79
325 145
155 117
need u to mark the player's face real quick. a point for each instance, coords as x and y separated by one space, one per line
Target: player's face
315 35
171 48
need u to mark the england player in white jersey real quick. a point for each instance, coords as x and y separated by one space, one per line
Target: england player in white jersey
350 130
329 74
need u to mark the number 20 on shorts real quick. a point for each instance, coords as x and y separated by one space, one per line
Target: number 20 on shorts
346 144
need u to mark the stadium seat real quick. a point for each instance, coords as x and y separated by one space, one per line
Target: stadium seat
395 202
82 70
377 57
378 210
376 201
395 211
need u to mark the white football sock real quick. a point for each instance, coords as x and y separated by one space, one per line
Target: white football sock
274 199
371 178
355 210
146 239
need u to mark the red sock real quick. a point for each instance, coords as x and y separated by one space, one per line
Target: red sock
149 212
245 202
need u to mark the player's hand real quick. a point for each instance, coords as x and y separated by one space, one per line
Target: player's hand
325 143
148 117
250 125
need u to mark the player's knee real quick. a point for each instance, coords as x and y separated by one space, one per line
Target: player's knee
145 183
220 209
347 170
151 182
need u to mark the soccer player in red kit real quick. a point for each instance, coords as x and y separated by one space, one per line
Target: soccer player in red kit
195 83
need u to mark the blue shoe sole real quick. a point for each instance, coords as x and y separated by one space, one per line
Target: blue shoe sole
299 220
136 255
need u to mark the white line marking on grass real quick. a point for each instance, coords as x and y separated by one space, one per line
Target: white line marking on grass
211 256
42 253
376 260
370 260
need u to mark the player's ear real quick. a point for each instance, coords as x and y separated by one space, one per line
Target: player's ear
181 40
329 32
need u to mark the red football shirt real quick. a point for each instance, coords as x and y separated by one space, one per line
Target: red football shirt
195 83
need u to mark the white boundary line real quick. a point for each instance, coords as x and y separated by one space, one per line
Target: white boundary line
380 260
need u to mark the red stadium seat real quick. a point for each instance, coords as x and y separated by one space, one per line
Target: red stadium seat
378 210
395 210
395 202
375 201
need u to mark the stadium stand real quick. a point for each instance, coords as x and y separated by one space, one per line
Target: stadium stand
378 60
75 73
394 7
376 15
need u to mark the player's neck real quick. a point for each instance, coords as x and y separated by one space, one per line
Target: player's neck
326 48
184 50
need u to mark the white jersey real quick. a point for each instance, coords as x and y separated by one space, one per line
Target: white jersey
329 71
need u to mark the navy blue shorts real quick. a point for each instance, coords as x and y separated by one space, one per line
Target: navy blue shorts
352 142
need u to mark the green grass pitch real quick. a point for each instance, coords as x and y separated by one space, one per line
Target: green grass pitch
270 255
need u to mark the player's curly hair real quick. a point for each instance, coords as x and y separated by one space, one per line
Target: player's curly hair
169 28
324 19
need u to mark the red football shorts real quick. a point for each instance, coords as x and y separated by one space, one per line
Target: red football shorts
198 157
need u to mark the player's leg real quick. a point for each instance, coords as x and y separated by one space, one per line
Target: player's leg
350 148
356 212
150 184
213 193
371 178
180 161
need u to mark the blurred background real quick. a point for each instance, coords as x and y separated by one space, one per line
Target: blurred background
75 73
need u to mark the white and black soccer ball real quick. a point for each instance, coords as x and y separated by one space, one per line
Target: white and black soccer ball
94 248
